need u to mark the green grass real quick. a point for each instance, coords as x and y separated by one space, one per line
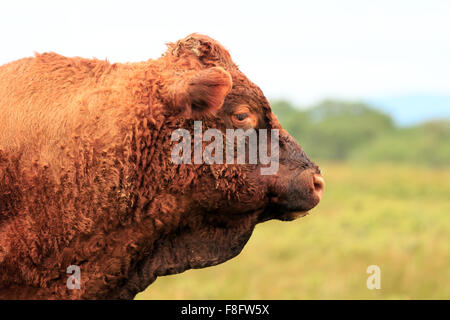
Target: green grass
396 217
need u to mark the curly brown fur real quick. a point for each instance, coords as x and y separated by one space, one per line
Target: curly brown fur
86 177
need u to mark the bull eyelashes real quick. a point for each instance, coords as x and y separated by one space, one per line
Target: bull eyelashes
204 92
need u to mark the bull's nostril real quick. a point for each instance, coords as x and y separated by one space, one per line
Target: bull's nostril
319 185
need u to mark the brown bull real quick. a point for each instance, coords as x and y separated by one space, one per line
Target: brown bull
87 179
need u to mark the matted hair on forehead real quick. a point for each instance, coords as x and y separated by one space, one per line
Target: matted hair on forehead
207 50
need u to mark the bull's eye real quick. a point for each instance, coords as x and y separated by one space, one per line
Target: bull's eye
241 116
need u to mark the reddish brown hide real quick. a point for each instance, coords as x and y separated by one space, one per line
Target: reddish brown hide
86 177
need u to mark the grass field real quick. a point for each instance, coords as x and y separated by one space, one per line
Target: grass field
396 217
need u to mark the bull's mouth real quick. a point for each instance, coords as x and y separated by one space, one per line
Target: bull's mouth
278 210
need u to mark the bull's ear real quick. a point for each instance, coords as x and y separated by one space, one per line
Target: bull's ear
207 90
200 93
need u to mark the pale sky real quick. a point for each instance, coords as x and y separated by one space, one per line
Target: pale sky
301 50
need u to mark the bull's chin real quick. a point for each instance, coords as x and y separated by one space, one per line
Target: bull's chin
286 212
293 215
283 215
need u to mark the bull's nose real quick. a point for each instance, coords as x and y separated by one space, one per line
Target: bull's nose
319 185
304 192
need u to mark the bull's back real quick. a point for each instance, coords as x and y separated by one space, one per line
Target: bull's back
48 101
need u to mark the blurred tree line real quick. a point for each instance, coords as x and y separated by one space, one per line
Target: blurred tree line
354 131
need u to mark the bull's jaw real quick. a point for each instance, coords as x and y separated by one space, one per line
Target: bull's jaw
195 246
